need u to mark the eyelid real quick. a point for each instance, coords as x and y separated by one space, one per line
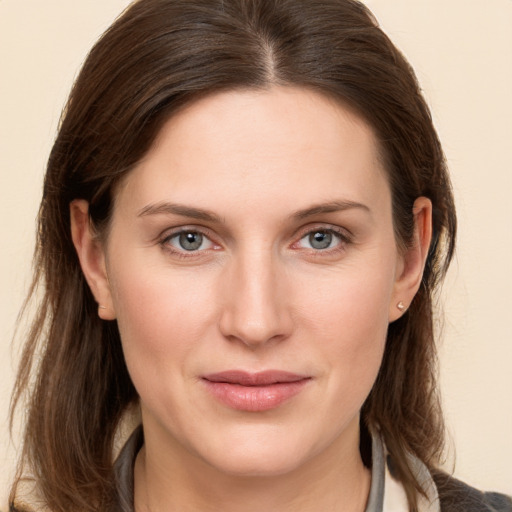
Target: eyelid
344 235
170 233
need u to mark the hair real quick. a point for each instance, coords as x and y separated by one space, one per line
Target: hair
158 56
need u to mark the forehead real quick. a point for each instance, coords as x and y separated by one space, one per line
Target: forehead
285 143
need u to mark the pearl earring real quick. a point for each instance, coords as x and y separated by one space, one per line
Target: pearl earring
400 306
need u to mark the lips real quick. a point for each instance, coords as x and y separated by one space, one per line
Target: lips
254 392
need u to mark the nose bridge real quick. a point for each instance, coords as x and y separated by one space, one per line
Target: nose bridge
256 309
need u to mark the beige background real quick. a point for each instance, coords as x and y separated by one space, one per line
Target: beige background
462 52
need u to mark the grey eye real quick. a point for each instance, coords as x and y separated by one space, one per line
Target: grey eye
320 239
190 240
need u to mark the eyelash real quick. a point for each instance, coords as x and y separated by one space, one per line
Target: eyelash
343 235
184 254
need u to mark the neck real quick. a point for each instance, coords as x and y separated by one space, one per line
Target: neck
328 482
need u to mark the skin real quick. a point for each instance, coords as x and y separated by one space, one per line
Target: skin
256 295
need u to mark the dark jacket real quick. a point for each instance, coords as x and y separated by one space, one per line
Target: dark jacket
456 496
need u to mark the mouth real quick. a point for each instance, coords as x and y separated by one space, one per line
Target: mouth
255 392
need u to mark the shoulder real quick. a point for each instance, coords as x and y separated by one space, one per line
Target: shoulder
456 496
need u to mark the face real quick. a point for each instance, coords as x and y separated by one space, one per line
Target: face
253 272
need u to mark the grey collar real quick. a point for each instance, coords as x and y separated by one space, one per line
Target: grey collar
385 492
376 496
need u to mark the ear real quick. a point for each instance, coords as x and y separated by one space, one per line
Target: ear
411 262
92 257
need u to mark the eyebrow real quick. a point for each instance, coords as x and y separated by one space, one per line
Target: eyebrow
179 209
165 208
330 207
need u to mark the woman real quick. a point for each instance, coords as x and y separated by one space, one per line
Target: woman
245 216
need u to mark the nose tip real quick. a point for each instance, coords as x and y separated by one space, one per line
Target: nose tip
254 334
256 310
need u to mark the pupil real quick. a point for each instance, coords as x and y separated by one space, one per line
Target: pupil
320 240
191 241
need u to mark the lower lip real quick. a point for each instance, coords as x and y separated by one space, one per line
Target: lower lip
255 398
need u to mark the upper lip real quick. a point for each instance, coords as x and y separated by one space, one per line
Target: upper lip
263 378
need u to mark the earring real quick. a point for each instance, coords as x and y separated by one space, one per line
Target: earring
400 306
101 307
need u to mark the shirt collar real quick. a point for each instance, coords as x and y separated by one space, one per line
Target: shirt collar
386 493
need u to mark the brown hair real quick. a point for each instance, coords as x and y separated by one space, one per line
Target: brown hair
158 56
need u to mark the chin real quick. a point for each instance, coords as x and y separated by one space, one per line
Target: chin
269 452
265 463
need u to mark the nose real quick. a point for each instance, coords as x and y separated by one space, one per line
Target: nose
256 301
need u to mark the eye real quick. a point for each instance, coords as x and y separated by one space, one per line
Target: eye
189 241
321 239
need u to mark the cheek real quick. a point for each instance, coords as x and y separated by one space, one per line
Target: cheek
346 316
162 317
351 300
